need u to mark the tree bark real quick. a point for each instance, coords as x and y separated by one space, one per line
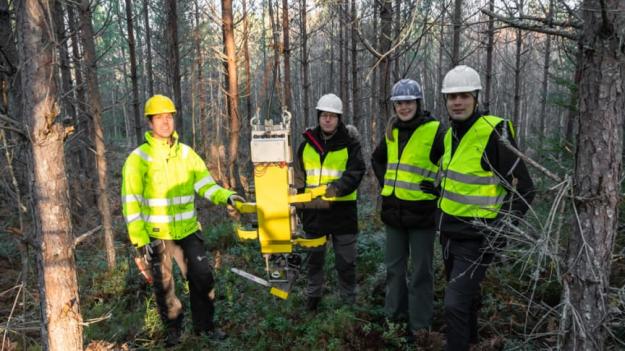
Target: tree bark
58 287
286 51
231 84
356 108
305 66
173 67
133 73
95 111
201 86
457 21
386 26
67 92
516 114
340 11
545 82
489 58
598 174
148 48
10 59
276 51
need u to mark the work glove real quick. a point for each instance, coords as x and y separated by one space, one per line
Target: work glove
232 209
237 198
428 187
330 191
147 252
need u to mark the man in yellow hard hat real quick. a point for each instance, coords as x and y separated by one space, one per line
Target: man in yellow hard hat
160 179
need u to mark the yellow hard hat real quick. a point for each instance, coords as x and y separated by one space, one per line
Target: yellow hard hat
158 104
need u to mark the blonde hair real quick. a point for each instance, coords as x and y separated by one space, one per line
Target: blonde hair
389 128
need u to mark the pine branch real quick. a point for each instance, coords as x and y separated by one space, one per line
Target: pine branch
519 23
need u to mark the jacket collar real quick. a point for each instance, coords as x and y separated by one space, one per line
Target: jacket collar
339 140
161 147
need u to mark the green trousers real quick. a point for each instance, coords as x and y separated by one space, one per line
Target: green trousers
409 276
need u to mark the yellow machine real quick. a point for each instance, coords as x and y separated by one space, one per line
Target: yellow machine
275 206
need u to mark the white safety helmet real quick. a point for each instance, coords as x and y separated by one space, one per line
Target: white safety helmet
330 103
461 79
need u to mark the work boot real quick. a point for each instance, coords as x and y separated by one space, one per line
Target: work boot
313 303
173 337
216 334
212 334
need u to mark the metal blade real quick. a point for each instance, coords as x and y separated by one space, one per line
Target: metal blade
251 277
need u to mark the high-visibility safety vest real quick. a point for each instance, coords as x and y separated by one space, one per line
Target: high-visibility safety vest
405 172
158 190
332 168
467 189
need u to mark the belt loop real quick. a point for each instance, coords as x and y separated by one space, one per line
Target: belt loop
446 251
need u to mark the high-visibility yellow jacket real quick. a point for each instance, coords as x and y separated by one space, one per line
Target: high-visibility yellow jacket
158 190
323 173
405 172
467 189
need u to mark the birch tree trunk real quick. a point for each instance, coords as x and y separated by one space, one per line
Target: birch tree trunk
61 327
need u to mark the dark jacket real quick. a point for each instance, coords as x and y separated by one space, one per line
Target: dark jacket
338 217
401 213
507 165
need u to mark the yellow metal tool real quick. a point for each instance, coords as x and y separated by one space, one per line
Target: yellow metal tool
276 223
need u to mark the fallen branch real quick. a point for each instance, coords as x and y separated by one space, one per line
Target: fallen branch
84 236
527 159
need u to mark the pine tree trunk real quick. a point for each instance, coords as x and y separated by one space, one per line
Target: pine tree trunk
516 114
148 44
95 110
489 58
61 326
457 20
384 88
358 118
231 85
286 50
276 51
305 65
173 60
133 73
442 108
66 77
201 86
598 175
10 60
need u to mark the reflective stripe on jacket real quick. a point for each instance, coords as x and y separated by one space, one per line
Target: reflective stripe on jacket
467 189
333 166
405 172
158 190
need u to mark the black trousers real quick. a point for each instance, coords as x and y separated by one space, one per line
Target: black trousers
344 262
191 258
465 268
